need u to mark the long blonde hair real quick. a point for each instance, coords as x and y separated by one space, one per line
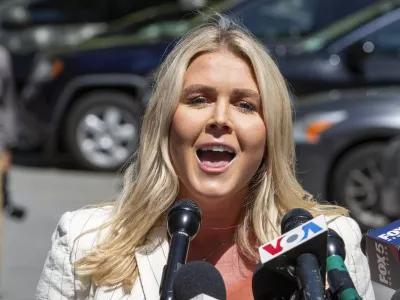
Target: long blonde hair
151 184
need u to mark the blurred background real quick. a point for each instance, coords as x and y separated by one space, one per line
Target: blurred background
83 75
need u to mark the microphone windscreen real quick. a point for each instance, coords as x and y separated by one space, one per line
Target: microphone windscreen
294 218
198 278
396 296
184 214
188 204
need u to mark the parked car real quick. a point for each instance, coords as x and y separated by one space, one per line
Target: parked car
390 193
87 101
361 50
340 138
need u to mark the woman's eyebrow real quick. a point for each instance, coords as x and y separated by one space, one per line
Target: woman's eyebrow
246 93
199 88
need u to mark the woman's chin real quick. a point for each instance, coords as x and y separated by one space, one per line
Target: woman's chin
212 188
216 192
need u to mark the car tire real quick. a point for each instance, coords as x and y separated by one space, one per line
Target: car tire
357 183
97 106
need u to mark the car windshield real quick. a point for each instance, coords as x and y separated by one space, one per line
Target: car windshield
265 19
326 36
163 22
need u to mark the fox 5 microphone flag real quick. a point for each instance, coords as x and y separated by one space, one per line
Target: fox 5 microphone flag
383 251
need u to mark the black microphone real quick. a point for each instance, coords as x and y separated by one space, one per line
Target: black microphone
283 259
199 280
184 219
307 264
341 285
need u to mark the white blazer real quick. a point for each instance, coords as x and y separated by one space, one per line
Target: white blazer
59 281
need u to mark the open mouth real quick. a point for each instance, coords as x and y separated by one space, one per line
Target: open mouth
215 156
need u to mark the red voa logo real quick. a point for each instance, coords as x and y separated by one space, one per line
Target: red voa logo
293 237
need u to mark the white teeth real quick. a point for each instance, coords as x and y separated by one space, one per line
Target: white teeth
217 148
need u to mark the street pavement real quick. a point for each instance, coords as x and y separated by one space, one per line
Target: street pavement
46 193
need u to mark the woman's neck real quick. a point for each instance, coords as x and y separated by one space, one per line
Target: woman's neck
216 234
220 216
218 224
215 229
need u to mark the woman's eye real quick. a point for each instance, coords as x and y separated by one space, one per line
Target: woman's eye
195 101
246 106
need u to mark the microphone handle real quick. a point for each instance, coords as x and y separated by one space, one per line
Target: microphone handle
309 277
340 283
177 257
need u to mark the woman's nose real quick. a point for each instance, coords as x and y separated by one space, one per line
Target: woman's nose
220 119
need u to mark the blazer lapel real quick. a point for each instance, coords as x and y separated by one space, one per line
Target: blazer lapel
151 264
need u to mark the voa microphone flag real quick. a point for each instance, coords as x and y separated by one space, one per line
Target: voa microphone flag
303 239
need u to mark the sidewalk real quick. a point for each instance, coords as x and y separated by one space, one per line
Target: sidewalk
46 194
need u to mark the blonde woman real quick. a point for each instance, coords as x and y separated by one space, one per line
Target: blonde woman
217 130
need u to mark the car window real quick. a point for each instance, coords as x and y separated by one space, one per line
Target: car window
385 40
283 18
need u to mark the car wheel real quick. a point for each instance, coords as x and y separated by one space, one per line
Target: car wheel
102 129
357 184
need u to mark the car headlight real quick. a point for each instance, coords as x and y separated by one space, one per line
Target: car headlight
310 127
46 69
